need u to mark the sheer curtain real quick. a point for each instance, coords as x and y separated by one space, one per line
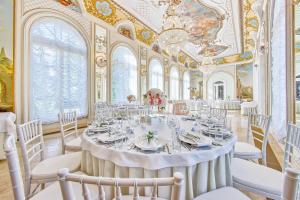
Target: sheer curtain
186 85
278 68
174 84
58 70
156 74
124 75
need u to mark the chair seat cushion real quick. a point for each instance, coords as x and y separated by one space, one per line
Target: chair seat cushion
54 192
52 165
245 150
225 193
257 177
74 144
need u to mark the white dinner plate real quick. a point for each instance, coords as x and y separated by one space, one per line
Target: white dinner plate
201 141
154 145
99 129
107 138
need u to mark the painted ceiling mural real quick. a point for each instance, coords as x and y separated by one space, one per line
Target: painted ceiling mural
205 22
205 26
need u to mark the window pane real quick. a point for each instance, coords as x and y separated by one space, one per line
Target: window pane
58 70
186 86
174 84
156 74
124 75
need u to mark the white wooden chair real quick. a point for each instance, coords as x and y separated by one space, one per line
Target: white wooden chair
180 108
290 188
51 192
68 191
69 133
33 153
258 125
262 180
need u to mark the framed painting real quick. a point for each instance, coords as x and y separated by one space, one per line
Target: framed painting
244 78
6 55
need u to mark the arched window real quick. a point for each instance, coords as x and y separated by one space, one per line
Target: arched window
156 75
186 85
174 84
58 70
124 74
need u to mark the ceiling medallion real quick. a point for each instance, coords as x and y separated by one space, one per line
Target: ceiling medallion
174 34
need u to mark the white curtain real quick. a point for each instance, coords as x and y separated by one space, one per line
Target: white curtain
58 70
278 68
174 84
156 75
124 75
186 85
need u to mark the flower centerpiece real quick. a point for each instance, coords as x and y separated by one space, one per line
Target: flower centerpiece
150 136
155 97
131 98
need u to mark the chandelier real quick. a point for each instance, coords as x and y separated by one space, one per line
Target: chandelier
174 34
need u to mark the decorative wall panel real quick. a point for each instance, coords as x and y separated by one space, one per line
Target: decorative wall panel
101 63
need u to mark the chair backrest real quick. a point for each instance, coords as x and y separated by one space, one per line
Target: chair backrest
180 108
14 165
68 125
251 111
67 191
258 126
219 114
292 147
31 139
291 184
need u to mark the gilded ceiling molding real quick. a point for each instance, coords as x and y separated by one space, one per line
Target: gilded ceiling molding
102 9
250 25
234 58
145 35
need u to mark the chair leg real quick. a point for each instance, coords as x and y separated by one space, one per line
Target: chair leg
27 187
43 186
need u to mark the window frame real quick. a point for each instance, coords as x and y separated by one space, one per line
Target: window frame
27 63
114 47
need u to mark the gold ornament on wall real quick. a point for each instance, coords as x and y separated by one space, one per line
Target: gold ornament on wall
145 35
102 9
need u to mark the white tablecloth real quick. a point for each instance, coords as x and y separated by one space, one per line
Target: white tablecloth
245 106
204 170
3 117
228 104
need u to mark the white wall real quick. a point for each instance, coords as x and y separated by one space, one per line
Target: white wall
226 74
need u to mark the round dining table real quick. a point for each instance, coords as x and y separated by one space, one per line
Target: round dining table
204 169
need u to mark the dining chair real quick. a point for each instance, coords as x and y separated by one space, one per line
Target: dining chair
67 190
266 181
219 114
290 189
258 126
180 108
32 144
69 133
49 193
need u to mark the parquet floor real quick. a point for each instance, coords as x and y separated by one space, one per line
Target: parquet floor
239 125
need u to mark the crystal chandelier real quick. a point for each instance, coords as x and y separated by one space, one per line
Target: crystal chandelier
174 34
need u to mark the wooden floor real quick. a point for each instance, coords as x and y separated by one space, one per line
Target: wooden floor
239 125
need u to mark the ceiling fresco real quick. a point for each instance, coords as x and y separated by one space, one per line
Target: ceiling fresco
205 22
216 30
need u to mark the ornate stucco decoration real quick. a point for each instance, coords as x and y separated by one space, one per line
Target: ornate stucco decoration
102 9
